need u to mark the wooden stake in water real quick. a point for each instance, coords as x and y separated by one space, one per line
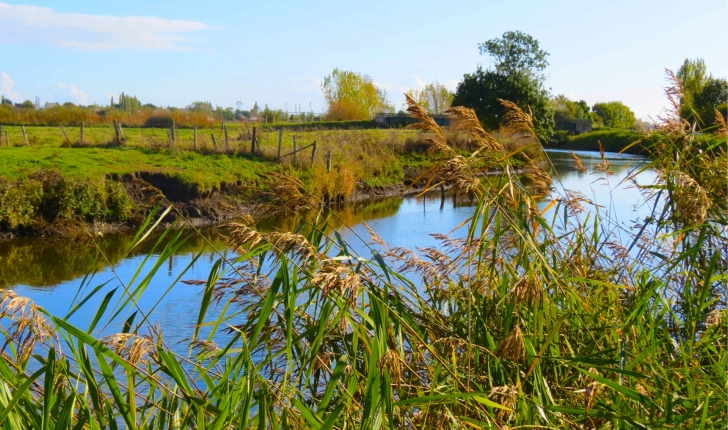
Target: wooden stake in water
328 162
280 142
194 141
81 139
25 136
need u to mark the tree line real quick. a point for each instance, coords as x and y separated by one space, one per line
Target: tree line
517 75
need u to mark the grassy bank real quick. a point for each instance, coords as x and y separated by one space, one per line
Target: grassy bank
537 318
53 178
611 140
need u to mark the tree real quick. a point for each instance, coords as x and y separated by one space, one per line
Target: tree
693 75
353 96
515 52
129 104
205 107
482 89
713 96
615 114
27 105
566 109
255 112
515 77
434 98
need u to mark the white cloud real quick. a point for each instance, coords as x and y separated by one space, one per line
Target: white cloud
6 87
80 96
45 26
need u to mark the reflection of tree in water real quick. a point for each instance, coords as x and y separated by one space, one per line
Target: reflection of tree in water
50 261
349 214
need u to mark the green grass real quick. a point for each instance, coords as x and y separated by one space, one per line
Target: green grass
94 163
611 140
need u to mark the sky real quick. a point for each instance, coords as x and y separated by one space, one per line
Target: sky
172 53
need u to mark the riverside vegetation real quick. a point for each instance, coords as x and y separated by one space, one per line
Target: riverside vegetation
52 181
539 317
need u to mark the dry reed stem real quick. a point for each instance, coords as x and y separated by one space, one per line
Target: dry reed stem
722 129
427 124
516 121
513 346
465 119
578 165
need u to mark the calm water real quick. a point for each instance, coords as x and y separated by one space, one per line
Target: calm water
52 272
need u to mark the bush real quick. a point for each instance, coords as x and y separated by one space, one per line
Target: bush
46 195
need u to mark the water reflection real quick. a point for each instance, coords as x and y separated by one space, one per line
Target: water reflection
47 262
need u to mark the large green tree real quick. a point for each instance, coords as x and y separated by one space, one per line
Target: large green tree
515 52
353 96
711 98
702 93
515 76
615 114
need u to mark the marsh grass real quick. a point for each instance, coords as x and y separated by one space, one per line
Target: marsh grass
533 318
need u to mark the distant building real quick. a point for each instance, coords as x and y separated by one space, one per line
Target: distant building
402 120
49 105
575 126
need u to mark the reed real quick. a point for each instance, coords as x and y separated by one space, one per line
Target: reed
537 318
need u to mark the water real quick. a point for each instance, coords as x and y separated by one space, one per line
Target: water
53 271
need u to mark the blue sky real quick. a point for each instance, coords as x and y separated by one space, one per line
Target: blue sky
276 53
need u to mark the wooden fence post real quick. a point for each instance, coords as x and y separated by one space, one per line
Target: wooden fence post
65 134
328 162
214 141
280 142
1 136
313 153
171 132
252 142
7 139
116 133
294 150
194 141
227 143
81 132
121 133
25 136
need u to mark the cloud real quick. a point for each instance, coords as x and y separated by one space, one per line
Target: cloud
6 87
45 26
80 96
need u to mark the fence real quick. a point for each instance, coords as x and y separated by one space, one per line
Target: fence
220 140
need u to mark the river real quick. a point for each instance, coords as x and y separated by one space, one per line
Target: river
56 272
